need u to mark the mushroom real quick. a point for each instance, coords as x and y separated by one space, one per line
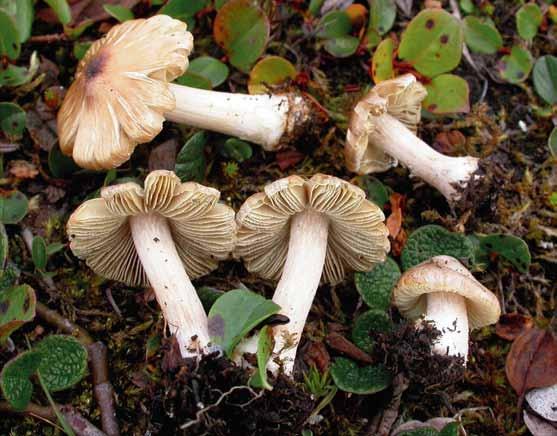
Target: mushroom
162 235
382 132
447 294
303 231
121 96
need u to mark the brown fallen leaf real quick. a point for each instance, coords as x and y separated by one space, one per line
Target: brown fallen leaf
532 360
512 325
316 354
449 142
163 156
394 221
288 158
339 343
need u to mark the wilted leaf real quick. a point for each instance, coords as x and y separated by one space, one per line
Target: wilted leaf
447 94
481 35
341 344
528 20
234 314
210 68
516 66
512 325
545 78
14 379
382 61
375 286
432 42
269 71
17 306
190 162
242 29
349 377
531 361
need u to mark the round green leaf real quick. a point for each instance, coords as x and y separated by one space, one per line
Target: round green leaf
38 253
515 67
242 29
334 24
194 80
9 37
366 324
22 12
482 36
382 61
382 14
375 286
528 20
209 68
17 306
63 361
190 161
14 379
509 247
236 149
121 13
13 207
545 78
61 9
432 240
432 42
12 120
343 46
269 71
349 377
552 142
60 165
447 94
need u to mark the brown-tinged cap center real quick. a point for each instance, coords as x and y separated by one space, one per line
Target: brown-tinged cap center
96 65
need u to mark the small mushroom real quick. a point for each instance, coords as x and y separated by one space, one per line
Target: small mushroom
445 292
303 231
121 96
162 235
382 132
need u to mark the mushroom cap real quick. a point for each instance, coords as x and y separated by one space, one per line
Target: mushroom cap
203 229
120 92
402 99
357 237
445 274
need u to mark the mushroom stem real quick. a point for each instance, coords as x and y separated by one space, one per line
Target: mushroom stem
174 291
262 119
450 316
444 173
300 278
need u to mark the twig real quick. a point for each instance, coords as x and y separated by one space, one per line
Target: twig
79 424
54 318
48 39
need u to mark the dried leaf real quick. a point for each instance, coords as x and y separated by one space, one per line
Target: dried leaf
288 158
339 343
317 355
531 361
512 325
163 156
394 222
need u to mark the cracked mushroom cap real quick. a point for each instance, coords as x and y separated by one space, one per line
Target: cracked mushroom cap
120 93
357 236
445 274
203 229
402 99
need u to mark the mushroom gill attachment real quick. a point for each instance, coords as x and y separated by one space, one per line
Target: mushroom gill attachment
120 92
445 292
303 231
162 234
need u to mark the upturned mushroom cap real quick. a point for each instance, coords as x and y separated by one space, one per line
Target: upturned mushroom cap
445 274
357 236
401 98
120 92
203 229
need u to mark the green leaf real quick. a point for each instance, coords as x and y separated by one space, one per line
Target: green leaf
545 78
528 20
342 47
552 142
14 379
208 296
190 161
433 240
121 13
242 29
382 61
366 325
451 429
4 247
8 277
38 253
210 68
349 377
269 71
382 14
234 314
61 9
481 35
13 207
334 24
181 9
511 248
265 345
17 306
376 286
194 80
60 165
236 149
63 361
9 37
12 75
80 48
447 94
315 7
432 42
12 120
376 191
516 66
22 13
426 431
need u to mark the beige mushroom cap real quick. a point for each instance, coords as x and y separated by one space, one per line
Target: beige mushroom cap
445 274
401 98
203 229
357 236
120 92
